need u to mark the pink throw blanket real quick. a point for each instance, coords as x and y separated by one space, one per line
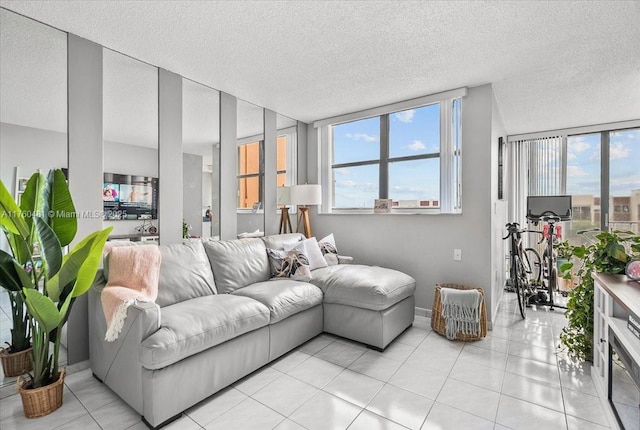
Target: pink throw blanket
133 275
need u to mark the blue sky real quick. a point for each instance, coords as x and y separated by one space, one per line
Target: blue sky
583 163
412 132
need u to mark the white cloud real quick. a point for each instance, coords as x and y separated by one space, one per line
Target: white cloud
571 157
416 145
618 150
342 172
578 146
575 171
405 116
367 186
362 136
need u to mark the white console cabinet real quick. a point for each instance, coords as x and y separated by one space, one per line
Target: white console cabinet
615 297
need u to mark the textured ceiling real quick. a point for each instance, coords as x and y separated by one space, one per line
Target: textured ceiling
553 64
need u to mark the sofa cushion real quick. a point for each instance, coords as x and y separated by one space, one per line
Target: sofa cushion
369 287
238 263
283 241
185 273
283 297
189 327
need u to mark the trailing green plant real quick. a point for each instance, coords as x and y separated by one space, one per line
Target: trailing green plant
49 281
609 253
185 230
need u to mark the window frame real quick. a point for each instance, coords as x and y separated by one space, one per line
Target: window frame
291 134
450 154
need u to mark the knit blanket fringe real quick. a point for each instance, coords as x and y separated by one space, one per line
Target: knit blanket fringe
461 311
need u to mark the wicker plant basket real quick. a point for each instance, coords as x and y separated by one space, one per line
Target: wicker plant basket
438 323
15 363
41 401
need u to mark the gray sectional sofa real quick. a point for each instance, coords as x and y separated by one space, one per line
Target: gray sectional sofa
220 315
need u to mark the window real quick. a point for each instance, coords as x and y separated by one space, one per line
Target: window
251 166
596 166
411 156
250 174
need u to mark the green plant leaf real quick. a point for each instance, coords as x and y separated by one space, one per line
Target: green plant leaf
62 212
32 203
19 247
80 264
9 278
42 309
50 249
11 218
87 273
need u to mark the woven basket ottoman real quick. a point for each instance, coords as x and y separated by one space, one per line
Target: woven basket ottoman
439 323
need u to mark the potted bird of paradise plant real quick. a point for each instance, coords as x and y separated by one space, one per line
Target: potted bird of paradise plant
49 279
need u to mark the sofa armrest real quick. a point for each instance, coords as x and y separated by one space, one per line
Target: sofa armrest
345 259
117 363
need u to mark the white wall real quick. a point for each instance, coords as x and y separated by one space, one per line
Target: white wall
422 245
29 149
499 218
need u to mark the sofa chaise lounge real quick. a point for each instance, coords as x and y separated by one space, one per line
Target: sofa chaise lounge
220 315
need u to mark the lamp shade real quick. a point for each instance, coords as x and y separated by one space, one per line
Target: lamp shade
306 195
283 196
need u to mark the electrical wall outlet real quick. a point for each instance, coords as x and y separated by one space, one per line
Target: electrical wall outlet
457 254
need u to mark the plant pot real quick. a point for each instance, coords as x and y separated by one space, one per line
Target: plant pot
38 402
15 363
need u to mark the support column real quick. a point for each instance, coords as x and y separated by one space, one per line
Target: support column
170 157
84 77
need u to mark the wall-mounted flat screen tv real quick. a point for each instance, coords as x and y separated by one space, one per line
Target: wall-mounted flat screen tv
539 206
129 197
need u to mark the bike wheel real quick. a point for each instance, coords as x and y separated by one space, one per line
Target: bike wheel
535 265
521 286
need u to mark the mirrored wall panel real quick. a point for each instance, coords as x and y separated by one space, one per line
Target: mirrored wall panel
33 118
33 99
131 183
250 168
201 160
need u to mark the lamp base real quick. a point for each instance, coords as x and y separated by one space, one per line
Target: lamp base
285 221
303 220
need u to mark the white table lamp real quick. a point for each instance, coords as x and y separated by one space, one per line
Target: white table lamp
304 196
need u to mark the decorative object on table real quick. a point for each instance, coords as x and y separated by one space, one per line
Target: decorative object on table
605 252
382 206
47 216
283 199
633 270
439 321
304 196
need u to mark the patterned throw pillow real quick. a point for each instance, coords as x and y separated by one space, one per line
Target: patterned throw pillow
329 250
292 264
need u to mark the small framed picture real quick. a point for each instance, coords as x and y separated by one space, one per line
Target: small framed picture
382 206
256 207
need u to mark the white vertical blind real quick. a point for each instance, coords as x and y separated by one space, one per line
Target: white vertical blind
537 167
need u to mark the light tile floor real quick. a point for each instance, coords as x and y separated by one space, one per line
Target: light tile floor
515 378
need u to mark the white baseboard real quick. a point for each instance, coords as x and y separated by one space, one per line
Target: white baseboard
422 312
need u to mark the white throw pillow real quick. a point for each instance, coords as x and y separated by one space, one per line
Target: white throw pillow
329 250
312 250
